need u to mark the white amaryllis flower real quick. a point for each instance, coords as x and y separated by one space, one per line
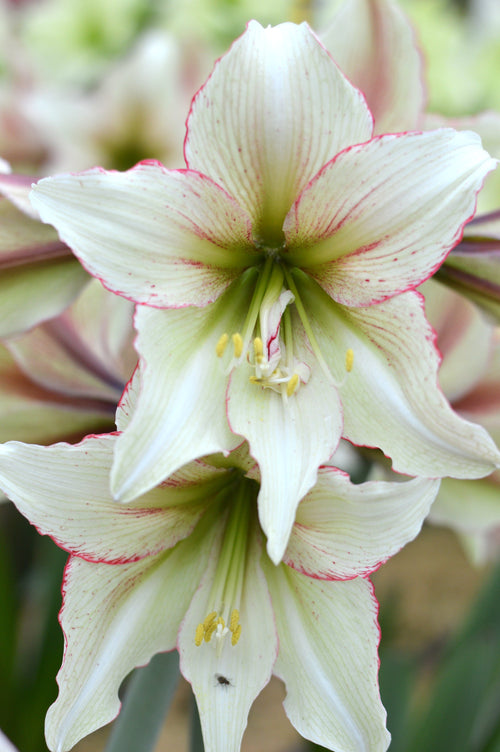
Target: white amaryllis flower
276 278
183 565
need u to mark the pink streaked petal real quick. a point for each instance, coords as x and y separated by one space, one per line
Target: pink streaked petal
381 217
180 413
264 140
86 351
374 44
64 491
29 412
330 627
116 618
166 238
289 438
341 529
391 398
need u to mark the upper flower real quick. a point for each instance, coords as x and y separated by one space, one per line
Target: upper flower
285 255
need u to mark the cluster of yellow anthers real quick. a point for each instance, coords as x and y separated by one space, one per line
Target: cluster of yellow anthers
263 374
215 625
221 345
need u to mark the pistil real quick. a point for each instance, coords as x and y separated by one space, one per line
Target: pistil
225 597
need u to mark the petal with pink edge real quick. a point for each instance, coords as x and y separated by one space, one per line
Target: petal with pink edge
331 628
382 216
343 530
391 398
64 491
165 238
116 618
374 44
264 140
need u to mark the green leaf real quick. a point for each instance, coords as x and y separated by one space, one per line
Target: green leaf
147 699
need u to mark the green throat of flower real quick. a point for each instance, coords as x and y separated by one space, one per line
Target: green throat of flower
266 340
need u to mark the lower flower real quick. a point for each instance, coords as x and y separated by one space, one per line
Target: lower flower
185 566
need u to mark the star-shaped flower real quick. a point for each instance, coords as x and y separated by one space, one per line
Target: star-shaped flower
183 565
276 278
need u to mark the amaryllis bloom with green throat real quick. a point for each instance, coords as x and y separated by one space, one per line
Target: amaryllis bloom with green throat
184 566
275 278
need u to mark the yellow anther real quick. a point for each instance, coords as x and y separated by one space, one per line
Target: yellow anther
220 621
235 617
258 348
236 635
209 620
349 360
200 633
237 344
292 385
211 629
221 345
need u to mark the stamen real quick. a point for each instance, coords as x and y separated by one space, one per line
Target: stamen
200 633
237 344
235 617
258 348
227 587
236 635
209 620
215 625
221 345
349 360
292 385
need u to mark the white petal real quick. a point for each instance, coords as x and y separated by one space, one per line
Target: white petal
274 110
328 660
180 413
116 617
64 491
342 530
246 666
289 438
381 217
391 398
5 744
160 237
374 44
